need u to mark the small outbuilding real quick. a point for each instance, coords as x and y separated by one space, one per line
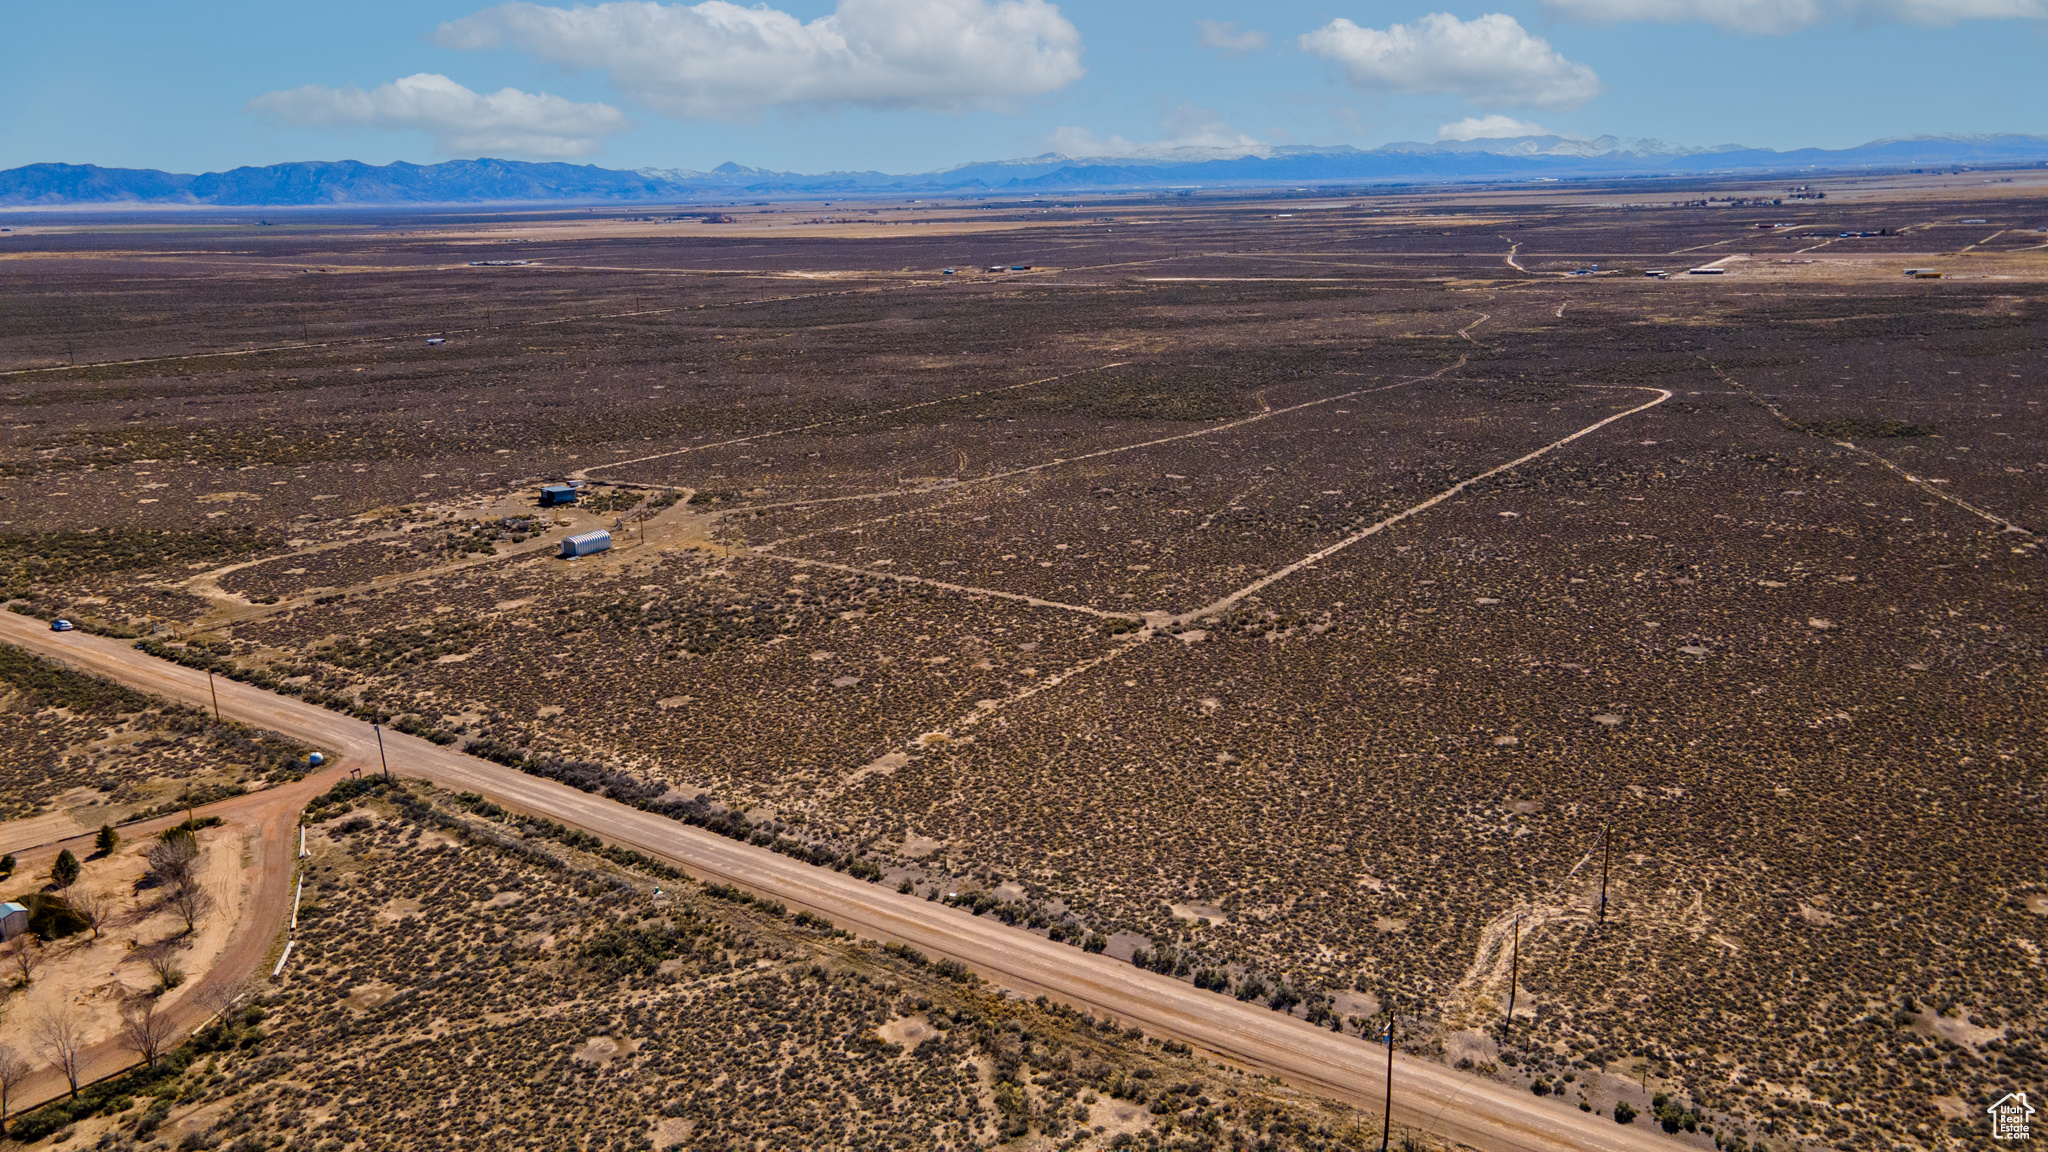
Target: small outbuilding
13 920
1924 273
586 543
553 494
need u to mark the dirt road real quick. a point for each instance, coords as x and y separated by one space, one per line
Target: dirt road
1430 1096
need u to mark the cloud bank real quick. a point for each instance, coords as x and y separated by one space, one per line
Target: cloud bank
1488 60
1494 127
720 61
463 123
1192 132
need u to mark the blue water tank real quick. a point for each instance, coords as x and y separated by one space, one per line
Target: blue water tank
315 759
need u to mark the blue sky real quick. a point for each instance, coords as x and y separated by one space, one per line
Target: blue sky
912 85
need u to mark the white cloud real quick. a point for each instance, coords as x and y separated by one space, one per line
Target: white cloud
1779 17
1192 133
720 61
463 123
1224 37
1489 60
1494 127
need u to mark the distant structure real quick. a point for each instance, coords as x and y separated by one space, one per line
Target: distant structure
1706 271
586 543
436 341
1924 273
553 494
13 920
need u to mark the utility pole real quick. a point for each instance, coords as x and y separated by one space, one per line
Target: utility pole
1514 971
1606 857
215 693
380 751
1387 1117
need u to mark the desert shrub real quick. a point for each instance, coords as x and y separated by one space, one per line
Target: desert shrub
52 685
58 556
1860 428
1624 1113
50 917
902 952
638 949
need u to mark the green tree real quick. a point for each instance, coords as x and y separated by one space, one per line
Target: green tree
65 871
108 840
7 865
1624 1113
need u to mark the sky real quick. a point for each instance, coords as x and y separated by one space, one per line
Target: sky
918 85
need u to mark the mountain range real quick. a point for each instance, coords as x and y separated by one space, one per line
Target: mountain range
350 183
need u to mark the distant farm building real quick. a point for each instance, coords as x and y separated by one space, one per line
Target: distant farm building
1924 273
553 494
586 543
1706 271
13 920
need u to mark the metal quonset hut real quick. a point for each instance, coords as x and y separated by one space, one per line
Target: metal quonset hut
585 543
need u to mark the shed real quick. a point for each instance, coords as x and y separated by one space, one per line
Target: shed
585 543
13 920
553 494
1924 273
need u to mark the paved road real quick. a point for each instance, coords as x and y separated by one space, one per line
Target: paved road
1430 1096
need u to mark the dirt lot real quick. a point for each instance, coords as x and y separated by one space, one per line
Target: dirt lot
976 575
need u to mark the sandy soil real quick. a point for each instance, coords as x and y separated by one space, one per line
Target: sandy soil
96 977
249 868
1466 1108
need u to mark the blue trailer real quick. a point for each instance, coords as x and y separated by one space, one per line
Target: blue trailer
586 543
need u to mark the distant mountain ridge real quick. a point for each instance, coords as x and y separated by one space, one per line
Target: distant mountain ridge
348 182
